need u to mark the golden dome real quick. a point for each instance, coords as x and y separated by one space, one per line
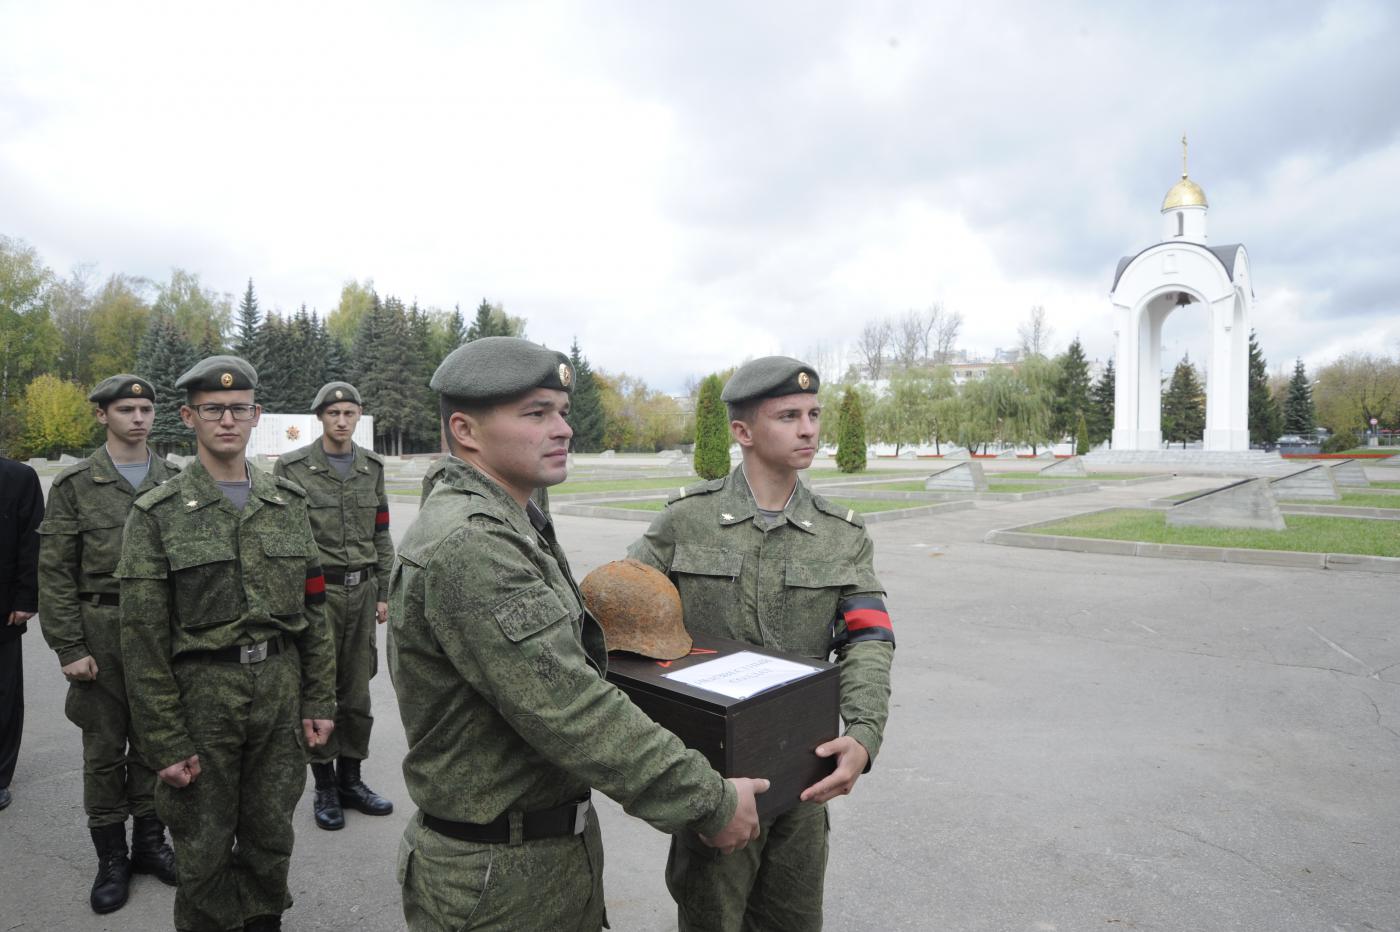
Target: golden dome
1185 193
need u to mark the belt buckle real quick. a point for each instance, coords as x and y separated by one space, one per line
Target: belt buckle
353 579
581 816
253 653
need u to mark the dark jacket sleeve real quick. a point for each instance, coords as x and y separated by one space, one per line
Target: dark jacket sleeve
29 513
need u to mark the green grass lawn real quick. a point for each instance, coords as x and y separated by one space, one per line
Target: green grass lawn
1385 485
1371 450
1092 477
1305 533
1353 500
861 506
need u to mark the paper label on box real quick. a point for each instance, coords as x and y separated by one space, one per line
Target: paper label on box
741 675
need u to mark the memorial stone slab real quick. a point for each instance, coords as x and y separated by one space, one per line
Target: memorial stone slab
964 477
1350 474
1314 482
1074 466
1249 503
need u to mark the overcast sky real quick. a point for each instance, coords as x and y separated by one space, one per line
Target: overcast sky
683 185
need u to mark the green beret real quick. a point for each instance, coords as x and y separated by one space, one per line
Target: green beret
496 368
332 392
770 377
122 385
219 374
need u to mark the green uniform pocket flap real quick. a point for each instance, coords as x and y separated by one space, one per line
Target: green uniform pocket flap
100 522
529 611
198 553
706 561
317 497
367 498
818 575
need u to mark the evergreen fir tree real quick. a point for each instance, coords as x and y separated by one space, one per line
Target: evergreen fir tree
850 443
335 367
1299 412
586 407
1265 424
163 357
422 422
1183 406
711 431
484 324
1072 391
1101 398
1081 443
245 342
383 371
456 330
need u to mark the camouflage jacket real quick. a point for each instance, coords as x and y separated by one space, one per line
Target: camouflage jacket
197 575
807 585
81 540
540 496
350 515
499 676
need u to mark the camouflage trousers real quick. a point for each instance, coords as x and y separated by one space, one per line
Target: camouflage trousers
772 885
550 885
350 613
116 781
232 827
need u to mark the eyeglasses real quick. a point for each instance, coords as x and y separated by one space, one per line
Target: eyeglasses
216 412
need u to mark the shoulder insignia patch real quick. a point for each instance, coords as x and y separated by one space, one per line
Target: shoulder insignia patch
70 472
699 488
837 511
160 493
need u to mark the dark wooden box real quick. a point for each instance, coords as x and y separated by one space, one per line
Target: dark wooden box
771 734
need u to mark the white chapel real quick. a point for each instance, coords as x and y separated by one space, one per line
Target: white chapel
1181 270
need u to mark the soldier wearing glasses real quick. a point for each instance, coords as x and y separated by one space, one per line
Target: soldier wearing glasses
229 661
349 512
78 602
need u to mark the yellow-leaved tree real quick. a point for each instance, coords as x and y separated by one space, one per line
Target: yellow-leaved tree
57 417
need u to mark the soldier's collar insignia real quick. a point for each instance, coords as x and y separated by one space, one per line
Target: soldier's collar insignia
806 523
726 516
277 499
192 503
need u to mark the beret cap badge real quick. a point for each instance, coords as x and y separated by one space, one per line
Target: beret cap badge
136 388
565 375
226 379
339 393
804 380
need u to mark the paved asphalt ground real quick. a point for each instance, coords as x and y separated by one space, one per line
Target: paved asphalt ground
1078 742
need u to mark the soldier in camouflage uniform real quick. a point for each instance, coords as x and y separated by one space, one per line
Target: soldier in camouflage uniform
229 661
499 676
758 557
78 598
349 512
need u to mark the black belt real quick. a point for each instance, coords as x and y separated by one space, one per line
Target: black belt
568 819
101 598
241 653
348 578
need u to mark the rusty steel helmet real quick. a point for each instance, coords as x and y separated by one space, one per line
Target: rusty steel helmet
639 609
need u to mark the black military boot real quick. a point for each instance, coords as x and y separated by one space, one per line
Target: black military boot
113 881
150 852
355 795
326 802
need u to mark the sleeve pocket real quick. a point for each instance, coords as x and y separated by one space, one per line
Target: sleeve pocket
529 612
